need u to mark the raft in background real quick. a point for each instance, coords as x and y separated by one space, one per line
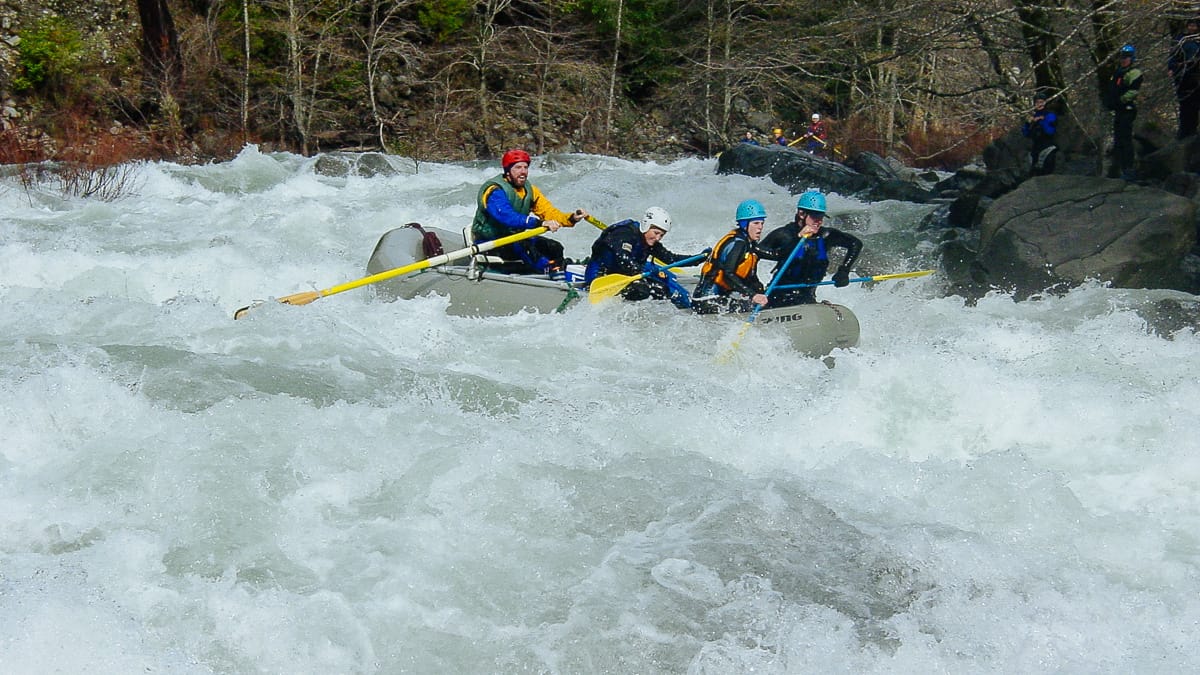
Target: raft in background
474 290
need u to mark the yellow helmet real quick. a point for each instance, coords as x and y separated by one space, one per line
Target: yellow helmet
778 132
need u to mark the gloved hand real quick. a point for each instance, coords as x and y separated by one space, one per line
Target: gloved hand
841 278
547 266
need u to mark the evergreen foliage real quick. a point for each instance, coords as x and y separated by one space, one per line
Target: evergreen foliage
48 56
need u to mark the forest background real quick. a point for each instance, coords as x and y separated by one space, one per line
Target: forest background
929 82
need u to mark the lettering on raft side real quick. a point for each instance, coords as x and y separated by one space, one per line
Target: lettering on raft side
794 316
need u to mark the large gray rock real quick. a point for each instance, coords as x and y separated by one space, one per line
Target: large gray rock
793 169
798 171
1173 158
1062 230
365 164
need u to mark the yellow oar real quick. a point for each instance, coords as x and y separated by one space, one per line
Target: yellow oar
609 285
737 341
604 226
309 296
877 277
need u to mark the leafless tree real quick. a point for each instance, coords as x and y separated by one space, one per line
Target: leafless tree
386 36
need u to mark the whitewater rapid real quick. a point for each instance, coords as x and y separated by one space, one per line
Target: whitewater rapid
356 486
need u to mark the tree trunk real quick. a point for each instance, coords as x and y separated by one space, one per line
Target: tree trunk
1041 39
161 62
612 81
245 108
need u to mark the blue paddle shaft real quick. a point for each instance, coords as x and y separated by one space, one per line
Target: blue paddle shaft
775 279
823 283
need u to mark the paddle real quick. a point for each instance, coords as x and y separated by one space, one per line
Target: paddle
877 277
309 296
609 285
728 354
604 226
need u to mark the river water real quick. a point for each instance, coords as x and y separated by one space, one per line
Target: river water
356 486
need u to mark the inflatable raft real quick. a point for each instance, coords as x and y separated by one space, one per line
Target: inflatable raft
478 286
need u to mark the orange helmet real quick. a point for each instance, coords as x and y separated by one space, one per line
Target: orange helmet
512 157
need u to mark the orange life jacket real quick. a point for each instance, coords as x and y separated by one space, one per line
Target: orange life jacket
744 269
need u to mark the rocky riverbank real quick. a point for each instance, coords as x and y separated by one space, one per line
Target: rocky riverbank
1001 228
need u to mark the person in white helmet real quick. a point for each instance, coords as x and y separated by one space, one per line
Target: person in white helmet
626 246
815 137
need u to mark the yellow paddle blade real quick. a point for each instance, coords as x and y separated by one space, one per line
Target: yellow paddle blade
294 299
609 286
727 355
300 298
308 296
243 311
901 275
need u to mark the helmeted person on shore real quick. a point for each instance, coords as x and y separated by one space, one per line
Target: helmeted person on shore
509 203
812 262
1040 128
1121 98
816 136
732 266
626 247
1184 67
780 139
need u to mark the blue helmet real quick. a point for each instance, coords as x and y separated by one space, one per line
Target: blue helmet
751 209
812 201
1128 50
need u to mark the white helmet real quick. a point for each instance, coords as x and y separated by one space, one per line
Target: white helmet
816 117
656 216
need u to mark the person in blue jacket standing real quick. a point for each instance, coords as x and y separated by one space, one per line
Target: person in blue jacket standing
1040 128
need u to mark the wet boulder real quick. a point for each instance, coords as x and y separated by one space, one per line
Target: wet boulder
798 171
343 164
1056 231
793 169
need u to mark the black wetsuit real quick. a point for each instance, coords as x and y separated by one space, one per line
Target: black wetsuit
1184 65
810 265
1122 100
621 249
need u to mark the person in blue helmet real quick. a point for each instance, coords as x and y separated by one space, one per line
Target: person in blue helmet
729 276
1121 98
624 248
812 262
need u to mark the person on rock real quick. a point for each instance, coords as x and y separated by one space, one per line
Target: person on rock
1040 128
1121 98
